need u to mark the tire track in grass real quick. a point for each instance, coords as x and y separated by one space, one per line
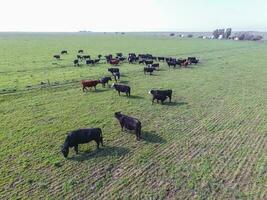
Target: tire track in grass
218 172
197 131
174 148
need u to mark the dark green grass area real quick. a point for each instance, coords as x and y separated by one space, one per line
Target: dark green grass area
209 143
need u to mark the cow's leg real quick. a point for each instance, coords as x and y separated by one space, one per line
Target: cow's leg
101 140
76 148
95 88
97 143
119 93
121 126
170 98
153 100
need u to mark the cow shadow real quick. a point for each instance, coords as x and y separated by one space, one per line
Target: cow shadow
106 151
135 97
124 82
177 103
151 137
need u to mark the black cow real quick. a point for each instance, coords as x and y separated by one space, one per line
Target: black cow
119 54
148 70
141 61
160 95
148 62
172 63
81 136
99 56
122 88
80 51
155 65
116 76
96 61
113 69
86 57
80 57
64 52
129 123
161 58
193 60
105 80
89 62
76 62
108 58
57 57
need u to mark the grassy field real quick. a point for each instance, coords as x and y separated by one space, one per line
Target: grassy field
210 143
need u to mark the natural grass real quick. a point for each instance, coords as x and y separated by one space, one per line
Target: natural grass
210 143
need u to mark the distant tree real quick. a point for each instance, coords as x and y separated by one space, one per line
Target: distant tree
190 35
172 34
216 34
257 37
248 36
228 33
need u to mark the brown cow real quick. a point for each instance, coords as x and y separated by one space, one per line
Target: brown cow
114 61
89 84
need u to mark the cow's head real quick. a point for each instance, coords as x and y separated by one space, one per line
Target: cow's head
151 92
117 114
65 151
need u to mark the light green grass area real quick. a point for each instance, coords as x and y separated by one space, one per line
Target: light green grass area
210 143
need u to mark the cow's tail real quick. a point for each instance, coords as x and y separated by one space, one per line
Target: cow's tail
101 137
138 131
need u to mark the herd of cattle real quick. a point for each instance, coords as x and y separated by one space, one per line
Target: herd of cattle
81 136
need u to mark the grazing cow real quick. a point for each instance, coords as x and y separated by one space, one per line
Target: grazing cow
99 56
80 57
122 88
160 95
86 57
148 62
96 61
193 60
114 61
171 63
57 57
155 65
129 123
89 62
80 51
116 76
161 58
81 136
121 59
148 70
132 58
105 80
108 58
64 52
119 54
184 64
76 62
89 84
113 69
141 61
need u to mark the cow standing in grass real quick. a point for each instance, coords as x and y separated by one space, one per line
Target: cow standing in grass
105 80
122 88
89 84
129 123
161 95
